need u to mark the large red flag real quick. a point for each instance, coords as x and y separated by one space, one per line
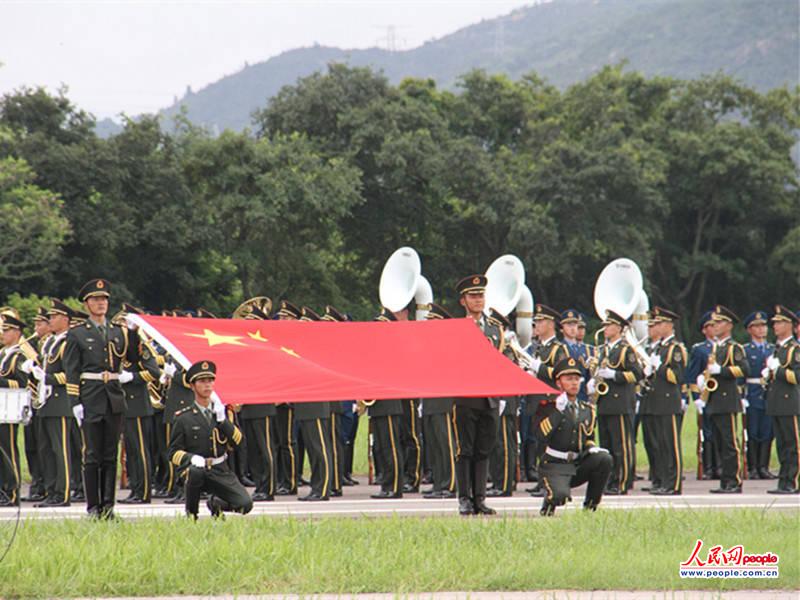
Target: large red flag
295 361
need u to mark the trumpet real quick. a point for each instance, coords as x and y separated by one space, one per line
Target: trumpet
711 383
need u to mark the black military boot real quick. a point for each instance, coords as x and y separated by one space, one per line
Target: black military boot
480 473
108 482
91 479
548 509
752 459
464 486
763 461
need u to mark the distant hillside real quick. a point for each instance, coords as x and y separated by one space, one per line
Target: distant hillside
564 41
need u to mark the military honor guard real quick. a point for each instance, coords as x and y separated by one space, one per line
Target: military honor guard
571 457
619 372
11 377
548 353
759 425
719 386
661 405
708 454
570 322
782 377
287 471
178 395
475 418
198 448
93 360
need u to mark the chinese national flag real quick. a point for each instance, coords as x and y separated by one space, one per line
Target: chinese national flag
297 361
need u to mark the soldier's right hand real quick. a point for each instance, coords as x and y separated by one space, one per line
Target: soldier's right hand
77 410
198 461
169 370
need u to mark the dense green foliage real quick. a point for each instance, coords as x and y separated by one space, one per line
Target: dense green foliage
691 179
564 41
609 549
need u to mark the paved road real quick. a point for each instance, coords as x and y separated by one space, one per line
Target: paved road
356 502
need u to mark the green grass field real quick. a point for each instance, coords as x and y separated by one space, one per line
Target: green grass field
605 550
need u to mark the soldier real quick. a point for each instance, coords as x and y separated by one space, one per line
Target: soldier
698 360
55 416
547 355
437 430
782 375
11 377
475 418
621 371
667 363
727 363
285 426
571 457
759 425
570 322
644 412
78 318
179 395
93 363
385 416
198 445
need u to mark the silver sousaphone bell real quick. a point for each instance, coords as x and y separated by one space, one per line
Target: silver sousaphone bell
402 281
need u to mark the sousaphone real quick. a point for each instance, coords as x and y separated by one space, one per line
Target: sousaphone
506 291
402 281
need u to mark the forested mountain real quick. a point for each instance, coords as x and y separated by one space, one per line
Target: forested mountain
564 41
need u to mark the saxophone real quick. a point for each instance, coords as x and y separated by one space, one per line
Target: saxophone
711 383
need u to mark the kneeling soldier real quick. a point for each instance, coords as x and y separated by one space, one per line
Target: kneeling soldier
198 448
571 457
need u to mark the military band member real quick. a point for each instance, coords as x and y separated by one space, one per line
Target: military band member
759 425
571 457
93 363
287 471
621 371
198 446
11 377
570 323
437 430
475 418
698 360
549 352
385 416
729 365
667 363
782 375
55 416
644 413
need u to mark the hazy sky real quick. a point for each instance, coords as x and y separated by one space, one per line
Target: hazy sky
135 56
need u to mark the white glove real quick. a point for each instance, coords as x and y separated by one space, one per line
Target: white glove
125 377
535 364
27 366
591 387
596 450
765 373
606 373
501 406
648 370
169 370
745 405
198 461
355 408
655 361
77 410
638 404
773 363
219 410
561 402
38 372
419 409
714 368
162 379
684 405
701 382
699 405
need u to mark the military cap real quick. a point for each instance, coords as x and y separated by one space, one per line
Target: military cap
545 312
582 320
95 287
567 366
8 310
499 318
615 319
307 314
758 317
289 310
57 307
41 314
10 322
385 315
660 314
256 314
706 319
202 313
570 316
471 284
438 312
204 369
723 313
331 314
784 314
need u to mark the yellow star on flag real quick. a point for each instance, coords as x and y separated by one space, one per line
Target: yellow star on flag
215 339
257 336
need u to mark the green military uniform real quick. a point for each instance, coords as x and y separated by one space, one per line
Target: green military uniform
259 431
287 467
571 458
11 377
725 403
783 405
199 437
178 397
36 466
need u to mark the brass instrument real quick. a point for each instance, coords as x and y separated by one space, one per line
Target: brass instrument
249 309
28 351
362 406
600 386
711 384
